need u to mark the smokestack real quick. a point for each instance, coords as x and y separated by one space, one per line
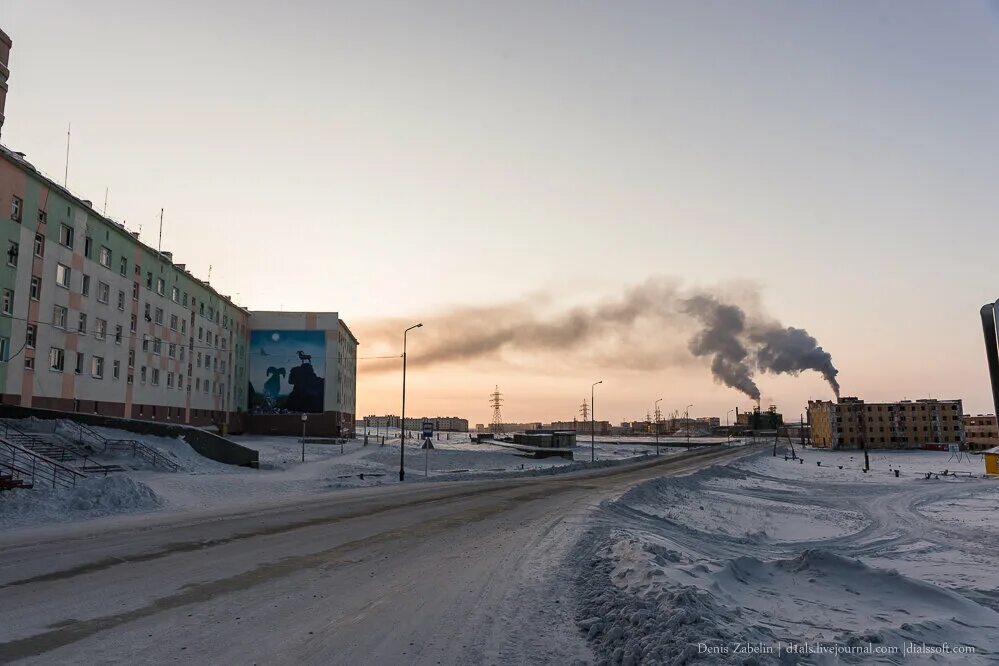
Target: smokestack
5 45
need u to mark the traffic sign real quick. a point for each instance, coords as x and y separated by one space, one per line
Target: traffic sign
428 430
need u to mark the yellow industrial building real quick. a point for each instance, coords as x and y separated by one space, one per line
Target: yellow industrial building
851 423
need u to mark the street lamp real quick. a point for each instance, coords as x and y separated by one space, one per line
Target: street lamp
593 455
402 421
657 425
686 417
727 430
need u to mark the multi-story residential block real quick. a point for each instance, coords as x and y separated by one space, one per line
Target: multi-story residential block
94 320
851 423
981 432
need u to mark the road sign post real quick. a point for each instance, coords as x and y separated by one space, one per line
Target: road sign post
305 417
428 443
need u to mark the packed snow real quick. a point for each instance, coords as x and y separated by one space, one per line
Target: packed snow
203 483
800 559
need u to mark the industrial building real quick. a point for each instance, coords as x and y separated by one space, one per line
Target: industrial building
981 432
851 423
94 320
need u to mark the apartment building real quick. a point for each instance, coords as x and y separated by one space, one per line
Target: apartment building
94 320
981 432
851 423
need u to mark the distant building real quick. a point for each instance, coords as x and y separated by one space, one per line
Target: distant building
758 419
582 427
440 423
851 423
709 421
981 432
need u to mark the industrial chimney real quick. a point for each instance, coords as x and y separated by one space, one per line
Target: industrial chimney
5 45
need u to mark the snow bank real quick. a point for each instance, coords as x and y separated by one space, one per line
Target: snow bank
772 553
91 498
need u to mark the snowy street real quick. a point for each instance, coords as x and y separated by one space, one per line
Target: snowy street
468 571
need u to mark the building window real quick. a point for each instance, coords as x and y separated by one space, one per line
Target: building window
131 358
105 257
101 329
82 328
155 377
180 381
88 247
135 291
159 316
118 334
59 316
123 270
57 359
121 300
175 295
115 369
160 286
12 251
145 343
169 380
4 350
149 279
142 374
172 350
79 363
183 326
157 346
39 245
29 362
8 301
97 367
173 322
16 208
184 300
103 292
182 353
147 312
66 235
133 324
85 288
29 336
62 275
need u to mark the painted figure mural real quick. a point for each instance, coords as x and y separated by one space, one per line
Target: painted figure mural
289 367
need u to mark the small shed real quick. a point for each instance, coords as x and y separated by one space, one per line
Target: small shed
991 458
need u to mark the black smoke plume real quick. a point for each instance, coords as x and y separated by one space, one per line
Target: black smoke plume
649 326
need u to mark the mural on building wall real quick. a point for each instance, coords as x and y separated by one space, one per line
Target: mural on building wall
287 370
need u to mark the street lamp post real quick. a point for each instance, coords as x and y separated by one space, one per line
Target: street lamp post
728 431
593 455
686 417
657 425
402 421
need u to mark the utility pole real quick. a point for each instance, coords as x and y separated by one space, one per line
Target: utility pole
686 417
657 425
593 454
402 421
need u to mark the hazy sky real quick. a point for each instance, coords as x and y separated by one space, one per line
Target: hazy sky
395 159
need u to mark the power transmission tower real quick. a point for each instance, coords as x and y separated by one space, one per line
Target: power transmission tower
584 409
495 400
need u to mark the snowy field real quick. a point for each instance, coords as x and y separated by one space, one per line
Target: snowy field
202 483
855 567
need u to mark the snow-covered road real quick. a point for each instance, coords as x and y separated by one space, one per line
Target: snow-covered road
460 572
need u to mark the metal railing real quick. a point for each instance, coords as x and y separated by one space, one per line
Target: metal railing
48 449
137 448
31 467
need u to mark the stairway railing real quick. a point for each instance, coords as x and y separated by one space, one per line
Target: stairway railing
27 465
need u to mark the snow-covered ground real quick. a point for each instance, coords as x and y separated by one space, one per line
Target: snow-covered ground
790 555
202 483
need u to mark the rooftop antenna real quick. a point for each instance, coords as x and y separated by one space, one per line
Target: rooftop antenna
65 175
209 273
105 202
159 243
